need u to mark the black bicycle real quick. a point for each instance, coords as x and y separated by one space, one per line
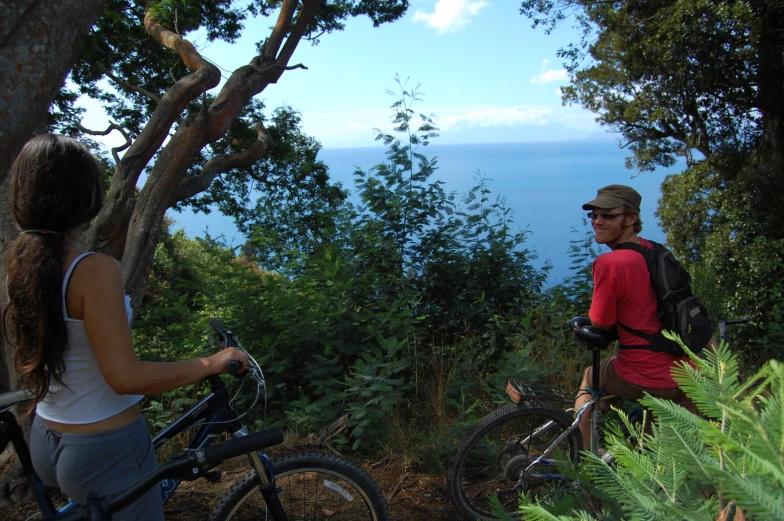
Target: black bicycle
308 485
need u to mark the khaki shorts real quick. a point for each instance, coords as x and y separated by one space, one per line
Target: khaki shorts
613 384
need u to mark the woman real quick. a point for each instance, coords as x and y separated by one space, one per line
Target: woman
69 321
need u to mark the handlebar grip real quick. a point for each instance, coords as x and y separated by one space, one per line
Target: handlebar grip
233 368
253 442
215 325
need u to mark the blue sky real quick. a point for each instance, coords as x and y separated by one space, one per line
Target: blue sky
484 72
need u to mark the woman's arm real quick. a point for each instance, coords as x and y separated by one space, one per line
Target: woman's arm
97 283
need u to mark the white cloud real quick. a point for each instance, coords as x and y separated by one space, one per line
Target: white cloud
500 116
450 15
546 75
465 124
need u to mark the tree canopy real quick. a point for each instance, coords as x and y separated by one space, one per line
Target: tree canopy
155 86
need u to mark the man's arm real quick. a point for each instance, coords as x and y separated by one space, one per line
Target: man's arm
599 326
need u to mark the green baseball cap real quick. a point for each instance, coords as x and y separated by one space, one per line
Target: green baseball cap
613 196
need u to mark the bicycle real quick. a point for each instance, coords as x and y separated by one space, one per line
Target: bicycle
517 448
304 485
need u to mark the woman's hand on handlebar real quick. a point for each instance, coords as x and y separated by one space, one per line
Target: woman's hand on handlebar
219 362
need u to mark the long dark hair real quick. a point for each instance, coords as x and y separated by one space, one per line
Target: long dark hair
55 186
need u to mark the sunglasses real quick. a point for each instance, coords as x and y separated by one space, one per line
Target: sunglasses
605 216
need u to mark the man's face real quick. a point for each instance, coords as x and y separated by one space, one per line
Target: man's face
609 230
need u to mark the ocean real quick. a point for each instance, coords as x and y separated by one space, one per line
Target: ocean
543 183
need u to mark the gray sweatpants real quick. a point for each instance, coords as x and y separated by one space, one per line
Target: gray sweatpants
102 463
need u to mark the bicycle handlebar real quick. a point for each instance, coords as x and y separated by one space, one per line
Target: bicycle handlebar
215 325
228 339
724 323
731 321
189 464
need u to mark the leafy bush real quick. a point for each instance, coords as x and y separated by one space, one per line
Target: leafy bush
691 467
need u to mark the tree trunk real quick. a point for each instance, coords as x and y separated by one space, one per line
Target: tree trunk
770 102
39 42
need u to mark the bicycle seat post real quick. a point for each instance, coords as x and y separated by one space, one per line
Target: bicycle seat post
595 339
595 387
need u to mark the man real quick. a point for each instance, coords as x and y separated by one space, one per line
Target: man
623 293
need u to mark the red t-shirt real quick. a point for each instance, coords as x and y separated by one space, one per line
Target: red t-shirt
622 292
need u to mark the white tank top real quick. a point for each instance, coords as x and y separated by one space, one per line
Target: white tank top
84 396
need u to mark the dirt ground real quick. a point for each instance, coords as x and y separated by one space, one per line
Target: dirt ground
412 496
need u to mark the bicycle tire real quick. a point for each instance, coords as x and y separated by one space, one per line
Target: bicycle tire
313 487
490 459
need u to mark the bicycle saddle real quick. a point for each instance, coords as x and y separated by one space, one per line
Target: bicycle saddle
589 336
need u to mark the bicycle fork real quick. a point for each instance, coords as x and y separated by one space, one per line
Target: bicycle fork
267 485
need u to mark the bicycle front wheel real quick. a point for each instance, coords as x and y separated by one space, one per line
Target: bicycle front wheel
313 487
494 459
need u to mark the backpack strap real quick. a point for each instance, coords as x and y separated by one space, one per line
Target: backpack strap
657 341
639 248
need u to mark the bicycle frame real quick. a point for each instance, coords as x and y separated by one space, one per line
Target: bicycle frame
214 411
590 404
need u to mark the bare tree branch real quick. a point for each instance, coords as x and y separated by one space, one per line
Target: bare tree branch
127 85
193 185
280 66
303 19
112 126
110 231
272 45
316 37
190 56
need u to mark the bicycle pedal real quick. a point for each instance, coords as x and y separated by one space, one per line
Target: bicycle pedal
213 476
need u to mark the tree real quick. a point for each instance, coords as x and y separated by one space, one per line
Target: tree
162 97
127 226
704 81
39 42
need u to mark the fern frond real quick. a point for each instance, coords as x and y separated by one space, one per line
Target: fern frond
760 450
538 513
756 497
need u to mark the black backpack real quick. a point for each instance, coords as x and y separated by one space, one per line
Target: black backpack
678 309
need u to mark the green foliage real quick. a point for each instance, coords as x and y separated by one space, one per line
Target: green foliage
405 312
670 75
285 203
690 467
375 386
719 216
